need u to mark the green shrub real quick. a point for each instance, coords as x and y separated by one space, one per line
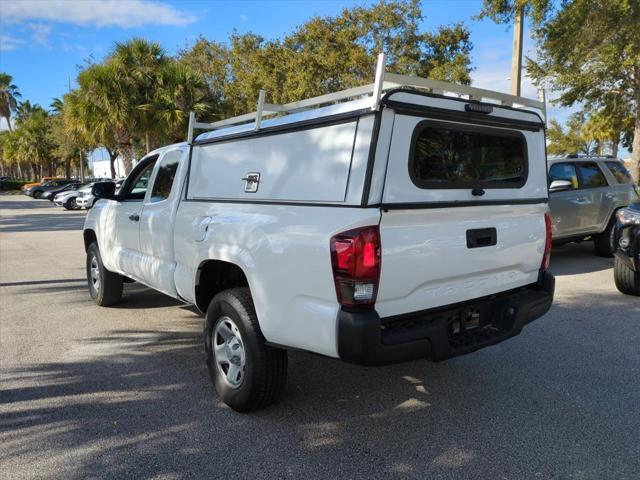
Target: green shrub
11 184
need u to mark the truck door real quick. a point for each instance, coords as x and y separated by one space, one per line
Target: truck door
126 243
156 224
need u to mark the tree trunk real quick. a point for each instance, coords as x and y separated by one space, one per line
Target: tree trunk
9 124
147 141
614 147
67 167
126 151
113 156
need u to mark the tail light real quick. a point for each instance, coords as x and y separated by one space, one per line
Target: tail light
546 258
355 257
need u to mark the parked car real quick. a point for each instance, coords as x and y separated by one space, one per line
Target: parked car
67 199
377 230
626 267
86 199
37 191
584 195
50 192
44 180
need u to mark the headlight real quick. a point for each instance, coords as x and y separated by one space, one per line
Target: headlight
627 216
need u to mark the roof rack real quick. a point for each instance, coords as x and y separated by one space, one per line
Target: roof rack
383 81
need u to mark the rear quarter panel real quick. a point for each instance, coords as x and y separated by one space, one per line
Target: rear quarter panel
283 251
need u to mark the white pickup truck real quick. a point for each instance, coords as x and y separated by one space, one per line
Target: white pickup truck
375 225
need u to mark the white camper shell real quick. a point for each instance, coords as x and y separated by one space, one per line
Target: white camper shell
389 222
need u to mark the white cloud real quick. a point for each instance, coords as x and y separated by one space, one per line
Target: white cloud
40 33
99 13
7 42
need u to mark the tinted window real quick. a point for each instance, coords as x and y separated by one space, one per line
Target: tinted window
620 172
164 177
444 156
564 171
138 187
591 176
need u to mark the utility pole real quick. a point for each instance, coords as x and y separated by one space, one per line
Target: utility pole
516 55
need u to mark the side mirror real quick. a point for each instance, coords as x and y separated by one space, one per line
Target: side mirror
104 190
560 185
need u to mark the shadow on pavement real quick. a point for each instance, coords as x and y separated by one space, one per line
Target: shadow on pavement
576 259
139 403
42 222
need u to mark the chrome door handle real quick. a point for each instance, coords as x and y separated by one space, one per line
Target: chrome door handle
609 195
134 217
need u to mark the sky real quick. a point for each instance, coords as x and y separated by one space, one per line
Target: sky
44 42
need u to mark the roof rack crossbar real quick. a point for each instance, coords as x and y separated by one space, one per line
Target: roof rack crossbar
383 81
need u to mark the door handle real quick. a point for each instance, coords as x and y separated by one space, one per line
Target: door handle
609 195
134 217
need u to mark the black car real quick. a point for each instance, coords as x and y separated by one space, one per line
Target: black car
37 190
50 192
626 267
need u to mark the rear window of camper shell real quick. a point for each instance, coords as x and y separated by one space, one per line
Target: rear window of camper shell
446 155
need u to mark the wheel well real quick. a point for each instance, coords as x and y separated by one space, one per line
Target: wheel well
213 277
89 238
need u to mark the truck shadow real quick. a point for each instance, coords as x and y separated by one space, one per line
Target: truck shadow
140 403
42 222
576 259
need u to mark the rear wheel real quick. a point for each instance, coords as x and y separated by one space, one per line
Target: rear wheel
627 281
105 287
247 373
604 242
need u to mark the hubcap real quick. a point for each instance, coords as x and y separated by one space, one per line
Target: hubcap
95 274
228 351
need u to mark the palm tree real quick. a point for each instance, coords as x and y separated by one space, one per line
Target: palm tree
102 110
9 95
180 91
139 64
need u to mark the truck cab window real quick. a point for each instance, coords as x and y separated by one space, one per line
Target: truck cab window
164 178
137 189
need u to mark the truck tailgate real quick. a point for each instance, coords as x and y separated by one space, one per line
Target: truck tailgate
436 256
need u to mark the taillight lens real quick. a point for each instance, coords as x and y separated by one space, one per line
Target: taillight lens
355 257
546 258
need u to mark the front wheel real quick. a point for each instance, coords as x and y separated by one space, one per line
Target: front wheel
71 204
247 373
627 280
37 194
105 287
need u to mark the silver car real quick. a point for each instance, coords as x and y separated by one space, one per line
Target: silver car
584 194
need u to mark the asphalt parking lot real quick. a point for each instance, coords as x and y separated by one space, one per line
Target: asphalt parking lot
90 392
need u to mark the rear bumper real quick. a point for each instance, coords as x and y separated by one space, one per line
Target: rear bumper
364 338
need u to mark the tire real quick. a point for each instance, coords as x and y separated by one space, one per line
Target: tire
259 371
604 243
37 194
627 281
105 287
71 204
